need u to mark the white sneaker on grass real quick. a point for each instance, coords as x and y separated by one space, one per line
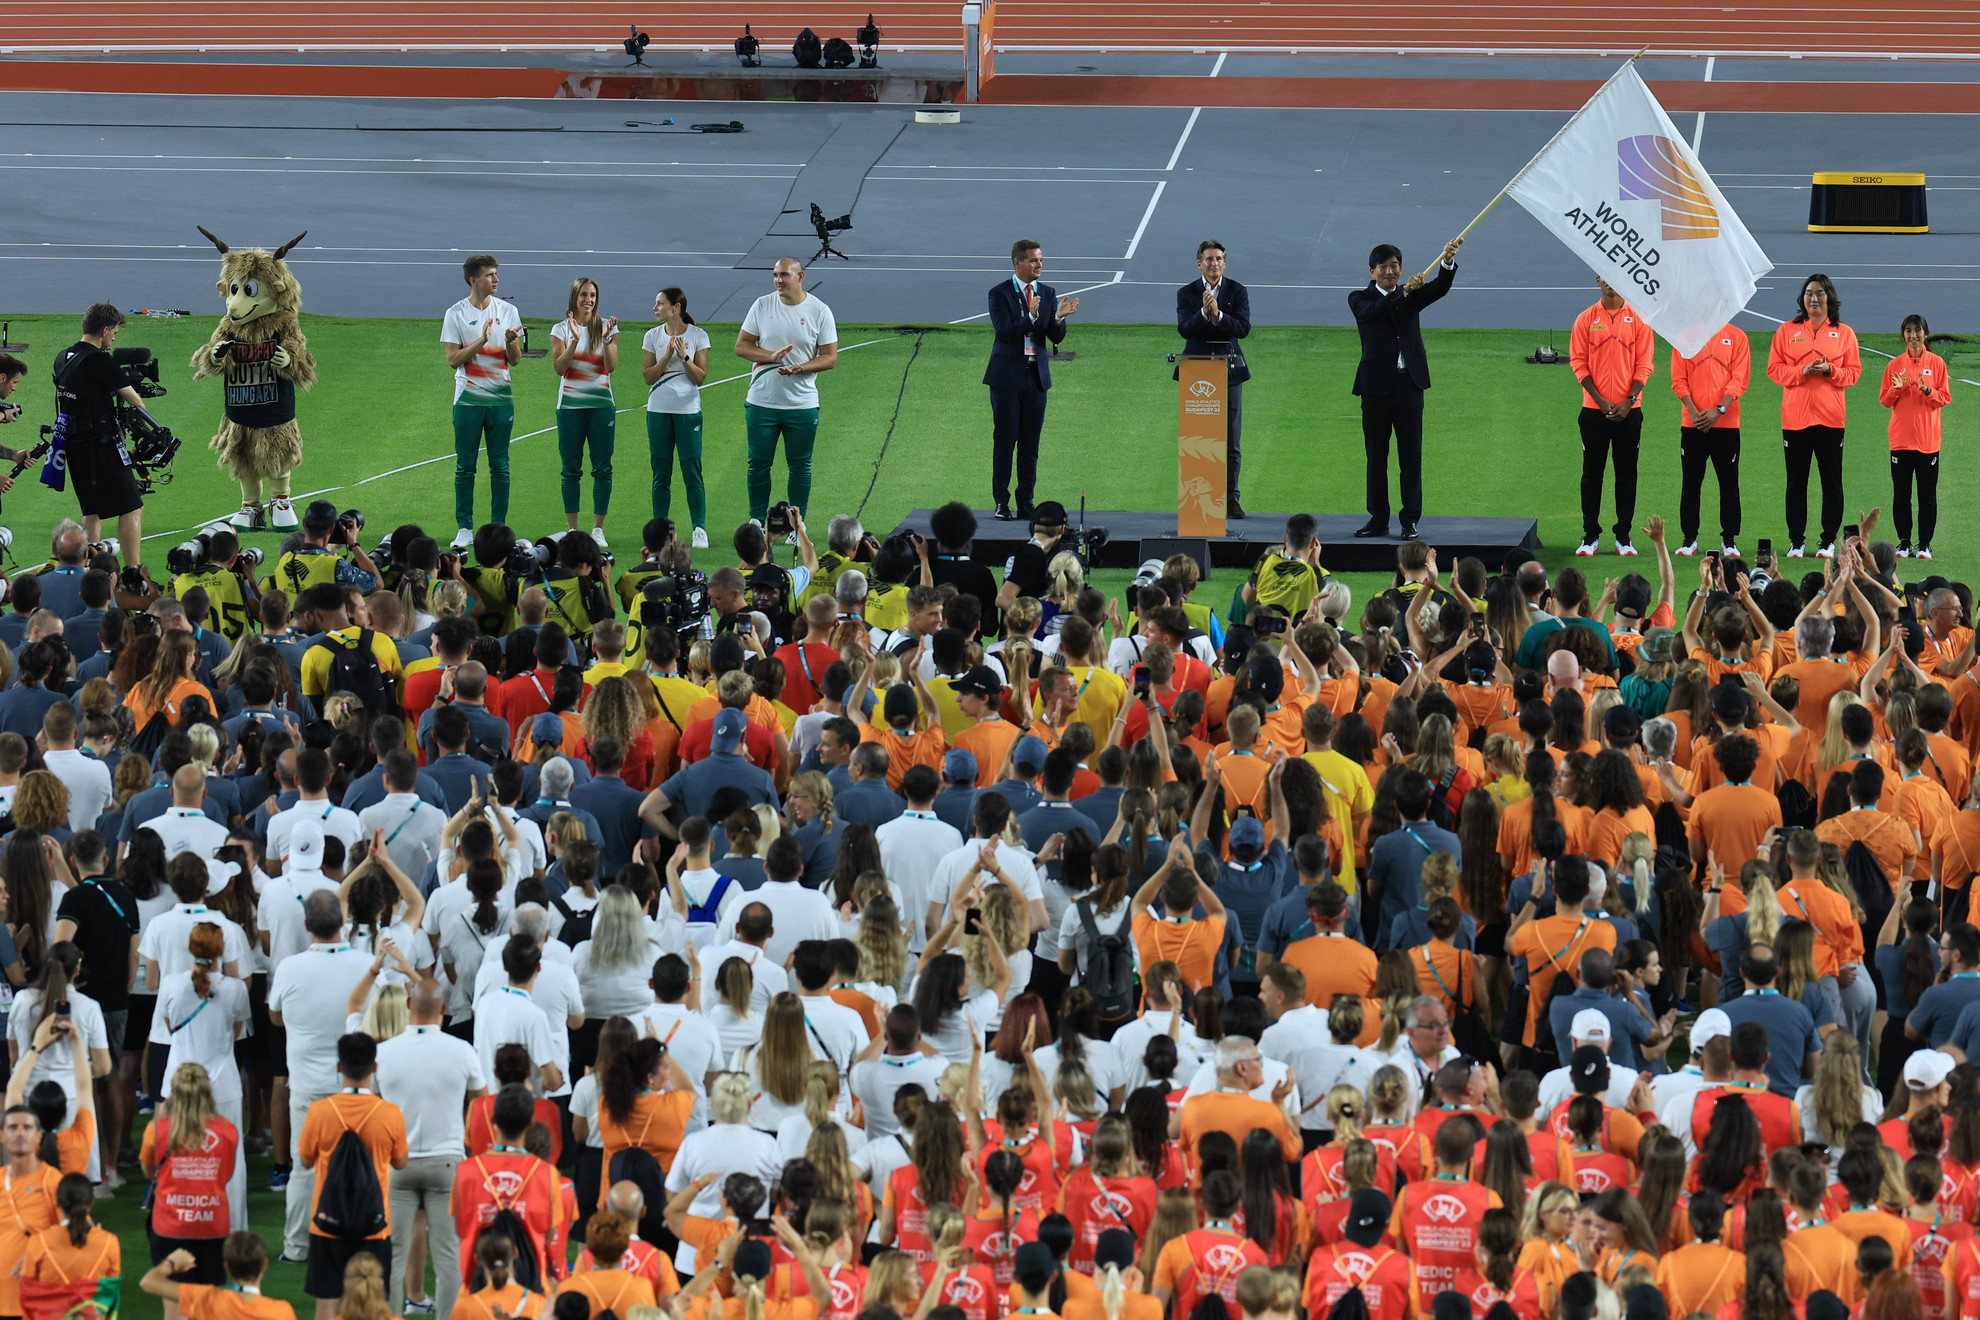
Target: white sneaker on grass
1625 548
1687 550
462 539
598 535
1587 548
700 540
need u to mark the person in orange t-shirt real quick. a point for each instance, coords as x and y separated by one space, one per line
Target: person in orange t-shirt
1862 1175
245 1257
1190 942
1889 838
1916 386
902 709
1332 963
1612 352
496 1255
1709 384
1704 1274
1814 359
1232 1109
66 1262
1730 822
612 1287
1553 945
379 1124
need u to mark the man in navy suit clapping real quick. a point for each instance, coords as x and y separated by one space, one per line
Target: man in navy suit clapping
1028 319
1213 312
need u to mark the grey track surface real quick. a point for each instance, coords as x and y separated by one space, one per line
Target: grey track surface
103 193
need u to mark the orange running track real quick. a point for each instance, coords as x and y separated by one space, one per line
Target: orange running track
1826 27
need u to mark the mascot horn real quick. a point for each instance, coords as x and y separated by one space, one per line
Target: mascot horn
260 348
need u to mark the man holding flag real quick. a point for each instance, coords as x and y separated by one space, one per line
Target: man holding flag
1612 353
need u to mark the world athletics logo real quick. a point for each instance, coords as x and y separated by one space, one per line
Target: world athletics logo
1650 168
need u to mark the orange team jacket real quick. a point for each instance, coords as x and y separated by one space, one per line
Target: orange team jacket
1615 350
1814 399
1914 389
1718 373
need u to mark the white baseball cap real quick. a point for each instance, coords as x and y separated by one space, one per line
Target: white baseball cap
1927 1070
306 846
1590 1026
1711 1024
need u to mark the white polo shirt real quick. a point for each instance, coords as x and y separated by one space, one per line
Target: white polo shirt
911 846
278 913
875 1082
412 828
187 829
311 990
836 1032
88 782
770 977
510 1017
796 914
428 1075
334 820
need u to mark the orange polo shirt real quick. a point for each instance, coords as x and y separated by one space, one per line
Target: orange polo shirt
1813 400
1888 838
1615 350
1718 373
989 741
1333 965
1838 939
1915 411
1191 945
1551 946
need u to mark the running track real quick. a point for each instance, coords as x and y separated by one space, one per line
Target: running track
1817 27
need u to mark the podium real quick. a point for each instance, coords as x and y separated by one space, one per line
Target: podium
1202 444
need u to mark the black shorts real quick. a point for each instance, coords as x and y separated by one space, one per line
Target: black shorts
113 1033
1490 941
208 1266
105 487
278 1048
251 1050
137 1022
324 1278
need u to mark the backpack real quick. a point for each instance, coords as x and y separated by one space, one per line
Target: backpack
527 1267
706 912
350 1204
1109 975
637 1166
577 925
1872 886
151 737
1798 805
1440 813
354 669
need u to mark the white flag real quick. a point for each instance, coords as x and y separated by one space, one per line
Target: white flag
1619 186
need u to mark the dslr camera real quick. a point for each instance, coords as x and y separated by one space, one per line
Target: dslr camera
778 522
188 555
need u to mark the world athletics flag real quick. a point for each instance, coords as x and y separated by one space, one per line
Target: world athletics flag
1621 188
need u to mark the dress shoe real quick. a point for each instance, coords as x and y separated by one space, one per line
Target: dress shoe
1373 527
1024 513
1232 509
1408 531
1004 513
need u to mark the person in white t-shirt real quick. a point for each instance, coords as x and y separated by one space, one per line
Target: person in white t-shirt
674 355
482 336
86 778
584 350
790 337
509 1016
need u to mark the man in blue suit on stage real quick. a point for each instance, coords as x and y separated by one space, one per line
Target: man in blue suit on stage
1028 319
1213 312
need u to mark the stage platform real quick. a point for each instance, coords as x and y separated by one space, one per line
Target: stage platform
1134 536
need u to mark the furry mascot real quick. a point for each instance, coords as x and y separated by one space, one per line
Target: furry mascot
260 348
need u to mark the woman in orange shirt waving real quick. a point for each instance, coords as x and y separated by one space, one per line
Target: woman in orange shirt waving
1916 385
1814 359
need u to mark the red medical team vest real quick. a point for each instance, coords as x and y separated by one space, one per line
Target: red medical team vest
971 1290
1597 1171
191 1196
911 1214
996 1240
1320 1174
1095 1205
1382 1275
1440 1229
1930 1245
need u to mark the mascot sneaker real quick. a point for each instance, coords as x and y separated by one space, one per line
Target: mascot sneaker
282 514
249 518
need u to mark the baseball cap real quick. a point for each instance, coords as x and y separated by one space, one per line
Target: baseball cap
1591 1026
305 847
1049 513
1589 1070
218 873
1927 1070
1633 598
1619 721
1247 832
1263 673
1644 1302
981 681
725 653
546 729
320 516
1729 699
1367 1218
728 731
1711 1024
959 766
767 577
1029 754
901 705
1825 1305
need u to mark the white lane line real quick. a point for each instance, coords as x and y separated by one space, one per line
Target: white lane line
1135 242
965 320
1698 133
1711 62
1218 67
1177 153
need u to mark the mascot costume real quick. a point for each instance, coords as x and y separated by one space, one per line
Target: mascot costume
260 348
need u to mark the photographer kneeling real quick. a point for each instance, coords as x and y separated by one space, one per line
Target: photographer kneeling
315 562
575 583
87 386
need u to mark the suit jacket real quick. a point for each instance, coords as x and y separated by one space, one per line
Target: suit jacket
1011 325
1203 337
1389 325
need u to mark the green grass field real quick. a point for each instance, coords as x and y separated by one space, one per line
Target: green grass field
1502 440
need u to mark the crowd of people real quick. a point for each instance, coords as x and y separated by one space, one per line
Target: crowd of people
907 938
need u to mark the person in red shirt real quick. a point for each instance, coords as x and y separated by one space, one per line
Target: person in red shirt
1814 359
1934 1237
1709 384
522 698
1387 1282
1778 1117
1612 352
507 1177
1107 1192
1436 1220
806 661
1916 386
1498 1277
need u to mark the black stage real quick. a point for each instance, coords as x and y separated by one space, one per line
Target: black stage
1136 536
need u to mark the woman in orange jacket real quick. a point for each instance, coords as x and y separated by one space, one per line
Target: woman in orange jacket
1814 359
1916 385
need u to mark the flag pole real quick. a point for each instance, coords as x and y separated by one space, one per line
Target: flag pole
1501 194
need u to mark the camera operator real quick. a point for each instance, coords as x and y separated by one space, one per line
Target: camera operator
773 586
315 562
12 370
232 592
663 557
728 599
1028 573
846 546
87 386
575 583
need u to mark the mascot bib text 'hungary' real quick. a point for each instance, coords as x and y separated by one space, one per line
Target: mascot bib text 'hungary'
260 348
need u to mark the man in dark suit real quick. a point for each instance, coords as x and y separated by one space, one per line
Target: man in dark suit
1212 314
1028 319
1392 377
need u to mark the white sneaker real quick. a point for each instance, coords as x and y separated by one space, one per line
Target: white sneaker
1729 551
755 522
1687 550
790 538
1625 548
1904 550
282 514
1796 552
1587 548
700 538
247 519
462 539
1924 552
1826 551
598 535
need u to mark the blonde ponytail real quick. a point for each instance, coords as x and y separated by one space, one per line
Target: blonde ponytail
1113 1292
